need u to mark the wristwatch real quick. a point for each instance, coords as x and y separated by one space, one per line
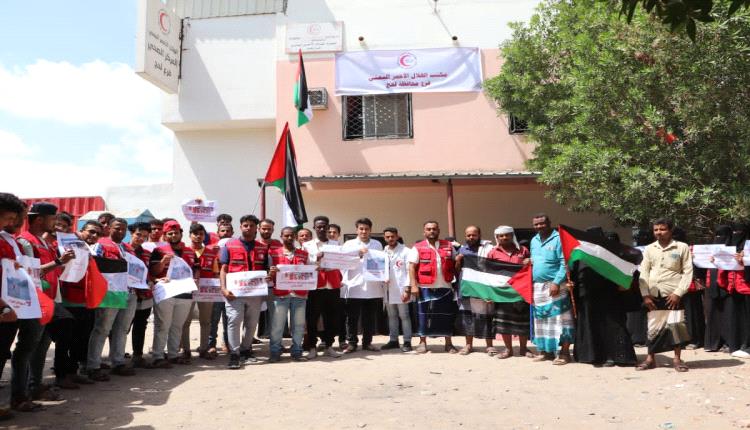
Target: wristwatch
58 261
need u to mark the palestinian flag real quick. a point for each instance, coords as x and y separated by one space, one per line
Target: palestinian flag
301 97
116 274
492 280
282 173
612 260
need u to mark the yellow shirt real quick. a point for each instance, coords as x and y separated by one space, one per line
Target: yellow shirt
667 270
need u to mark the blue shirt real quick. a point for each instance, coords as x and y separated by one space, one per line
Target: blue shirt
548 259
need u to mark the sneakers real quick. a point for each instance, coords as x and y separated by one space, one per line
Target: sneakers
349 349
98 375
741 353
370 347
406 347
67 383
390 345
82 379
234 362
274 358
312 353
299 358
122 370
248 357
330 352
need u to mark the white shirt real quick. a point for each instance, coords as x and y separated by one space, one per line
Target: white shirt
354 285
439 280
314 247
398 279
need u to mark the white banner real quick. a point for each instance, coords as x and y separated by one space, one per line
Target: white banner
137 272
200 210
76 268
247 284
165 290
417 70
314 37
19 292
377 267
296 277
334 257
715 257
209 290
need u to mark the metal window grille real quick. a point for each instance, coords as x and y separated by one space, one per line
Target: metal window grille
516 125
386 116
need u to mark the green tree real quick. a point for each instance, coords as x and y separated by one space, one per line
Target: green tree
630 120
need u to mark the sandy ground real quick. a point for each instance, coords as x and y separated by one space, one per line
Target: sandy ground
397 390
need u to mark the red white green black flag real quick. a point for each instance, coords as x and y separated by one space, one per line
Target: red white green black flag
282 174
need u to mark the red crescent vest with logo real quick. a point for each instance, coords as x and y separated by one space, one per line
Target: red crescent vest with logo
427 265
241 261
111 250
45 255
187 254
206 261
278 257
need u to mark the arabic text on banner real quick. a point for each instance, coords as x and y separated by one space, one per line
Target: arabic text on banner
417 70
76 268
376 266
137 272
165 290
715 257
296 277
247 284
336 258
19 291
201 211
209 290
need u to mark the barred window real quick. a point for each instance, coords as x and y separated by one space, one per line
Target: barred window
516 125
385 116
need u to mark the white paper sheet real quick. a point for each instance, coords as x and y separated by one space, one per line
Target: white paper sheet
336 258
296 277
19 291
248 284
376 266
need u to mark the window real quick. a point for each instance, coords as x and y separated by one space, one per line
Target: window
516 125
385 116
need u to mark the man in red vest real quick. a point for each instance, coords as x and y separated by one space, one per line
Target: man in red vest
285 302
323 301
170 314
266 229
139 233
242 255
206 258
431 274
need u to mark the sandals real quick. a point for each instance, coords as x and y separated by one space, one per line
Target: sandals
527 354
561 360
505 354
646 366
491 351
681 367
450 349
212 353
466 350
421 348
26 406
543 357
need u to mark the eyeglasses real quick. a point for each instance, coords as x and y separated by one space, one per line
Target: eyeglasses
156 228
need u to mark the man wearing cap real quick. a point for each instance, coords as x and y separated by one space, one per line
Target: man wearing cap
170 314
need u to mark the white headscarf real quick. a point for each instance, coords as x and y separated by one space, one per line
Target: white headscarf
504 229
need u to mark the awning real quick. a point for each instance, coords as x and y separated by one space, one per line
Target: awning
435 175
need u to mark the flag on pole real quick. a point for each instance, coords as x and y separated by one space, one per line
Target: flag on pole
282 174
496 281
612 260
301 96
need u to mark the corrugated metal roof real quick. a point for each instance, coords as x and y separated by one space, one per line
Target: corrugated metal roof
423 175
196 9
75 206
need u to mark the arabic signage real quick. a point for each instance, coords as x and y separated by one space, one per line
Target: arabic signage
314 37
157 50
417 70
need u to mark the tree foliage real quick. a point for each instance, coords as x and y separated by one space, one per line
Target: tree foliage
630 120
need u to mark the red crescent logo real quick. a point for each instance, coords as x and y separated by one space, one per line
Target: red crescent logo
313 29
164 23
407 60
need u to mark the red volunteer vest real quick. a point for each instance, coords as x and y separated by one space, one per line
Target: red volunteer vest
240 261
6 251
45 255
111 250
278 257
206 261
427 265
187 254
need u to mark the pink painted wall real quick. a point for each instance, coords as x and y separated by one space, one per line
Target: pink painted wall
452 131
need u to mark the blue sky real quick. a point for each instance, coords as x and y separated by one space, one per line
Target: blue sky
70 103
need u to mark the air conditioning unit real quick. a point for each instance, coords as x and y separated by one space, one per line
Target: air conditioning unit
318 98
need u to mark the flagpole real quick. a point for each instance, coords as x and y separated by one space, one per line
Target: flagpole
263 201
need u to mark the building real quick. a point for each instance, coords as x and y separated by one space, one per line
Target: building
399 159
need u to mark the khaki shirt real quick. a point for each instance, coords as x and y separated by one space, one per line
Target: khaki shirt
667 270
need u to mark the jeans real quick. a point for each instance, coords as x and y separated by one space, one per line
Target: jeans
104 318
368 309
169 317
29 336
205 312
138 333
83 324
323 303
396 312
283 306
219 312
119 337
242 311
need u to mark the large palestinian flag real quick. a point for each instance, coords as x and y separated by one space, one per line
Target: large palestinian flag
282 173
116 274
301 97
612 260
492 280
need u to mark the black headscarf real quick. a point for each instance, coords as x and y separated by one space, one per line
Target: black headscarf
739 234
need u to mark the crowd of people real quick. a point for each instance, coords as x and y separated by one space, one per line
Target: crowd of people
422 298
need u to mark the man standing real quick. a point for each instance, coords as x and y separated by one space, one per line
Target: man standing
223 220
157 230
104 219
397 290
242 255
666 273
112 323
334 232
554 325
266 230
477 315
170 314
431 273
287 303
139 233
206 256
324 300
363 298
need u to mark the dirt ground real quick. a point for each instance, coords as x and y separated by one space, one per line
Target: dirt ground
397 390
